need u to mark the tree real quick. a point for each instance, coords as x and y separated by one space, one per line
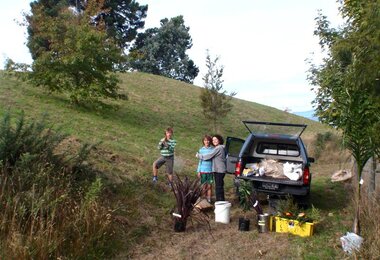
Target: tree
215 101
122 19
77 58
162 51
347 81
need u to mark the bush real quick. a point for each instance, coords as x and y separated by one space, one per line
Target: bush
50 205
320 143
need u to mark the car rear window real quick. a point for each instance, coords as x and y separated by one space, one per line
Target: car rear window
278 149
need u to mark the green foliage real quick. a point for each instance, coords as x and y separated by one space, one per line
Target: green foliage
320 142
122 18
245 195
287 208
348 78
79 58
30 142
347 81
162 51
215 101
50 205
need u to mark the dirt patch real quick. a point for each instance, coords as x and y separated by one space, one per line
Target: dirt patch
224 241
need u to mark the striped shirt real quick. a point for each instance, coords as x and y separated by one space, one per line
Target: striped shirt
167 148
205 166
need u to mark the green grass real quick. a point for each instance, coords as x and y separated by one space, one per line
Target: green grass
331 198
132 128
129 130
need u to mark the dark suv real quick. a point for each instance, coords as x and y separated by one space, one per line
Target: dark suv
273 158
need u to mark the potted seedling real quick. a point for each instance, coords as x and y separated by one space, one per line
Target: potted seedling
245 201
291 219
187 193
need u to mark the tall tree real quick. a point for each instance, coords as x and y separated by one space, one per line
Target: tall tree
162 51
347 81
215 101
122 19
78 58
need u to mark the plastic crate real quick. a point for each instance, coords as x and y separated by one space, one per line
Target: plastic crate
284 225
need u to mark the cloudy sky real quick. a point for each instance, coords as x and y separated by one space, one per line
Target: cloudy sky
262 44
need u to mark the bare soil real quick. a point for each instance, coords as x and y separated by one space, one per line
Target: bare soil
222 241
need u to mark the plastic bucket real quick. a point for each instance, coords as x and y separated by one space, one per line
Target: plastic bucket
222 211
263 222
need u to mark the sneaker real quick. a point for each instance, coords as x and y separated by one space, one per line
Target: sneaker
155 179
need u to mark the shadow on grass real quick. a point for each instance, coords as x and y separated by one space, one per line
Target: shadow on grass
327 195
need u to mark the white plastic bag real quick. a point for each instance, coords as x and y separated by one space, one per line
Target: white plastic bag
350 242
293 171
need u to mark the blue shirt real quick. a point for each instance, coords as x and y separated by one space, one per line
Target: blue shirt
205 165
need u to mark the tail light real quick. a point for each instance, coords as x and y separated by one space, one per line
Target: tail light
238 168
306 176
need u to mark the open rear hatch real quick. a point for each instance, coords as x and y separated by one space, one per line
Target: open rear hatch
274 129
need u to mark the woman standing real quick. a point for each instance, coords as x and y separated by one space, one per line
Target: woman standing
218 157
204 169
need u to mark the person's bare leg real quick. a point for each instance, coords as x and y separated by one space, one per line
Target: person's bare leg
209 192
155 170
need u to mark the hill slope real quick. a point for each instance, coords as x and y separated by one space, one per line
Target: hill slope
132 130
128 137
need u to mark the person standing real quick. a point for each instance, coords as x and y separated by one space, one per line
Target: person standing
204 169
218 157
166 146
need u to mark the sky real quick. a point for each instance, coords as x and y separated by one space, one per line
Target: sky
262 44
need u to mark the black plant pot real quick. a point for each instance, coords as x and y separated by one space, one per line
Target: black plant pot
179 226
244 224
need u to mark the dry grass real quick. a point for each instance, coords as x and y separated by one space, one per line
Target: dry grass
370 227
224 241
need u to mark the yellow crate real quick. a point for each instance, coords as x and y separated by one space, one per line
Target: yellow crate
284 225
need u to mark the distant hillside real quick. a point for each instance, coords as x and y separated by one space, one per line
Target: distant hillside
132 130
307 114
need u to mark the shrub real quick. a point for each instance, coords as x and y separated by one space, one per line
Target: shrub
320 142
187 194
50 205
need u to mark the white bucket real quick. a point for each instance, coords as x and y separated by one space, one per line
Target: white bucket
222 211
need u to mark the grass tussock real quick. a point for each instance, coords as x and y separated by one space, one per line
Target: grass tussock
49 202
370 227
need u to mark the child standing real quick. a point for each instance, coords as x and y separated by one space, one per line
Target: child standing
166 146
205 167
218 157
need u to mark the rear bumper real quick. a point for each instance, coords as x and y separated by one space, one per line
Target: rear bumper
278 187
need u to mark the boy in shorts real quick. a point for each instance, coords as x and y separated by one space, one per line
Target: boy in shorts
166 146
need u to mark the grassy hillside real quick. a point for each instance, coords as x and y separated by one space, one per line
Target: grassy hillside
128 132
130 129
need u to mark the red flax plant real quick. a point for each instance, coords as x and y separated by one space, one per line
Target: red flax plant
187 194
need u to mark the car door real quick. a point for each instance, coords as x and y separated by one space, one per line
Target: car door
233 148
